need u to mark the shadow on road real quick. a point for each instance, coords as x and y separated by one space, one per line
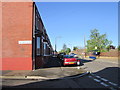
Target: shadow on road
53 62
110 73
56 62
85 60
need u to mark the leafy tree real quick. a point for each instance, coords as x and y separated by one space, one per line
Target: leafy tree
98 41
68 50
74 48
65 49
62 51
108 47
119 48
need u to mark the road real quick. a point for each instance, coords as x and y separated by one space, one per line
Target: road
106 68
104 74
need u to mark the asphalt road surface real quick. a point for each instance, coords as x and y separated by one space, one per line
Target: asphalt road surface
104 74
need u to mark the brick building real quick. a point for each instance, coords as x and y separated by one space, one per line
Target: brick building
25 43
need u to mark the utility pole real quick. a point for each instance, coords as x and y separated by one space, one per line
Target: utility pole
85 46
84 42
56 42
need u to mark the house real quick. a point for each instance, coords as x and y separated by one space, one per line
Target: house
25 42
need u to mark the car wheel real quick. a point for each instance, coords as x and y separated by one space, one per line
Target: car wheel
78 63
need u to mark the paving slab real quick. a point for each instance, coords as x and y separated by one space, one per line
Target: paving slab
15 72
56 72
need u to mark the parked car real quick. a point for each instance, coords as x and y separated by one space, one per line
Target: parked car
60 55
72 54
70 60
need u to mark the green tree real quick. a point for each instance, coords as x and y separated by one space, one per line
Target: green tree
119 48
74 48
108 48
67 51
63 49
97 41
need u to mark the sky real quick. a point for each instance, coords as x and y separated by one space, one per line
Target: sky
70 22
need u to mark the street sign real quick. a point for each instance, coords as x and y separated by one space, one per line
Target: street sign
25 42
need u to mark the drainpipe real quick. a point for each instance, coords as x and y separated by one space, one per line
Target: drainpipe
33 42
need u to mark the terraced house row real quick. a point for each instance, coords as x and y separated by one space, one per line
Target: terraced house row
25 42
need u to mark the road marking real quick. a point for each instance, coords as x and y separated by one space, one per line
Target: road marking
114 84
104 79
90 76
98 76
104 84
97 80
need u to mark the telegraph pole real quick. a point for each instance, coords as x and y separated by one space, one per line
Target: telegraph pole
56 43
85 46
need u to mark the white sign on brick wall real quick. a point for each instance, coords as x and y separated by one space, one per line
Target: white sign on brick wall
25 42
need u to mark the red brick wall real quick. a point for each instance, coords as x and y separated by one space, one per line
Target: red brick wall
0 35
16 26
111 53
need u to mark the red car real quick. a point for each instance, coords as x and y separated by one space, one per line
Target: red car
69 60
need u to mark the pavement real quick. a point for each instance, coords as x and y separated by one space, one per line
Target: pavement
92 74
52 70
51 73
46 73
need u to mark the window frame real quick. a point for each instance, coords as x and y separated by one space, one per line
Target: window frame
38 46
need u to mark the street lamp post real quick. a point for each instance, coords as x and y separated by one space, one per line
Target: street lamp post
56 43
84 46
